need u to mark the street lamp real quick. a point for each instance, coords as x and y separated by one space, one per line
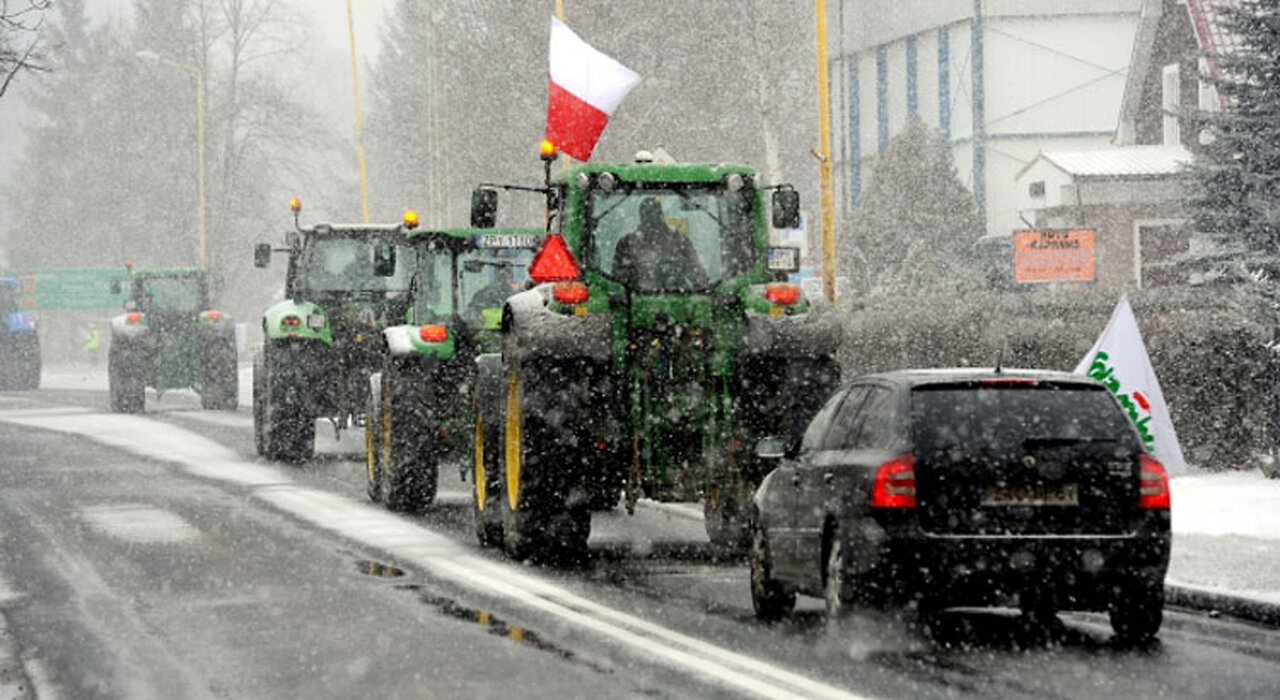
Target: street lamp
155 58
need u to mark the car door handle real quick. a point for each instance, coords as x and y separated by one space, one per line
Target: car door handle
829 478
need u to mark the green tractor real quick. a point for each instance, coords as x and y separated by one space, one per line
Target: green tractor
419 412
344 284
171 337
660 343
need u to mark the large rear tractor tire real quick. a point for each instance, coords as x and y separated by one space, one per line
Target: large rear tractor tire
284 428
125 379
409 460
219 383
548 517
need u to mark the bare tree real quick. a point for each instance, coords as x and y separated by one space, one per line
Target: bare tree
19 37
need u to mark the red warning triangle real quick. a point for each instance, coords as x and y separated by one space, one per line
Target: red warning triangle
553 262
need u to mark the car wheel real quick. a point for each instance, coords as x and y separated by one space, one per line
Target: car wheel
771 600
1137 611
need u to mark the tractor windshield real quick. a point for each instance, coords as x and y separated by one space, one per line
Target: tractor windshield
670 238
170 294
485 278
344 264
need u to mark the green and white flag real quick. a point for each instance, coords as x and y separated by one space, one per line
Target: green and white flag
1119 360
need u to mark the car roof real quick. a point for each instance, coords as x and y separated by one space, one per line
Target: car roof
964 375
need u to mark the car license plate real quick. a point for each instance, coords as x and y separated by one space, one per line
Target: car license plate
1032 495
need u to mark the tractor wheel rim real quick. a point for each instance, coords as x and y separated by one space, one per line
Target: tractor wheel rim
478 452
513 440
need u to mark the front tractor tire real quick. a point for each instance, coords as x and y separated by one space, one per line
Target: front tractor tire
125 379
219 383
548 516
409 459
283 427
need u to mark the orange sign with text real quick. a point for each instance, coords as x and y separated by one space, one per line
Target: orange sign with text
1053 256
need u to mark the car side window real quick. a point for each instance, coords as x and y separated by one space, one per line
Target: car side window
812 439
877 421
844 427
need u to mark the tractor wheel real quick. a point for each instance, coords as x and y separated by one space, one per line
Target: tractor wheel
487 502
219 385
125 380
283 425
543 520
409 454
373 441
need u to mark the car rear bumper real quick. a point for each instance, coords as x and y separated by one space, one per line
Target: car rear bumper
1081 572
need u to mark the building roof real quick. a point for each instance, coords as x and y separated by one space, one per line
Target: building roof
1127 161
1213 38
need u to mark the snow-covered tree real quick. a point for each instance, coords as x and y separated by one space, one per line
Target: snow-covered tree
20 22
917 228
1236 203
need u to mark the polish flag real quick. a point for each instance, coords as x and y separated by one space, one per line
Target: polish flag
586 87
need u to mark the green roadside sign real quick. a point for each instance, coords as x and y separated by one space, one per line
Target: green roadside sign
69 289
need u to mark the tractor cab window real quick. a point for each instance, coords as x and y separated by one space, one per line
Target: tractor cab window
340 264
487 278
670 239
170 294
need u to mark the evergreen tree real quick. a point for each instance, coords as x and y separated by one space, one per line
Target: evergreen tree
1236 205
917 228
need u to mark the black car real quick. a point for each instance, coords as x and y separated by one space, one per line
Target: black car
942 488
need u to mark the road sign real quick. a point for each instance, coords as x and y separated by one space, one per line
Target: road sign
1053 256
69 288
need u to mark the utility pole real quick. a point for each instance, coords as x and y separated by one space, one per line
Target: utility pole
355 83
824 155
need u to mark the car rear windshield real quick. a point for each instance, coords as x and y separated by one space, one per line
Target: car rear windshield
1008 417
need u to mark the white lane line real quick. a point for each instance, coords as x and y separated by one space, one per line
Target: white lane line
137 522
433 551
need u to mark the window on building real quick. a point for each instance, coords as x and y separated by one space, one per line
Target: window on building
1036 189
1170 102
1208 100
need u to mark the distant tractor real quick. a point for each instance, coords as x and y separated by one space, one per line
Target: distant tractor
19 341
420 411
170 337
662 341
344 284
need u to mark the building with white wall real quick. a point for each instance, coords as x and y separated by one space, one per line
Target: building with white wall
1003 80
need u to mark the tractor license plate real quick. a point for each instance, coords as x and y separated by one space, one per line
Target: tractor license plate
1032 495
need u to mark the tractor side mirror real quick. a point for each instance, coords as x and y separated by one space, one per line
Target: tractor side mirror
384 260
786 209
484 207
261 254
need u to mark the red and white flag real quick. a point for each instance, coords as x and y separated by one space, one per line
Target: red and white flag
586 87
1119 360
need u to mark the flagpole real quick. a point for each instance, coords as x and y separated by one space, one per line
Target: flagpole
565 161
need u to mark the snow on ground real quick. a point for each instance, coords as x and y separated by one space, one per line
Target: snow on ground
1226 503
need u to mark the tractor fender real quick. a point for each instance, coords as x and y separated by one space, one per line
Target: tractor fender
813 334
120 330
273 317
540 332
404 341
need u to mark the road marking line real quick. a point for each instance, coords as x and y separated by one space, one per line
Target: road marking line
432 550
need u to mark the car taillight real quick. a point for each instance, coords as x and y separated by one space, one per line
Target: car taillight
782 293
1153 484
291 321
433 333
570 292
895 483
